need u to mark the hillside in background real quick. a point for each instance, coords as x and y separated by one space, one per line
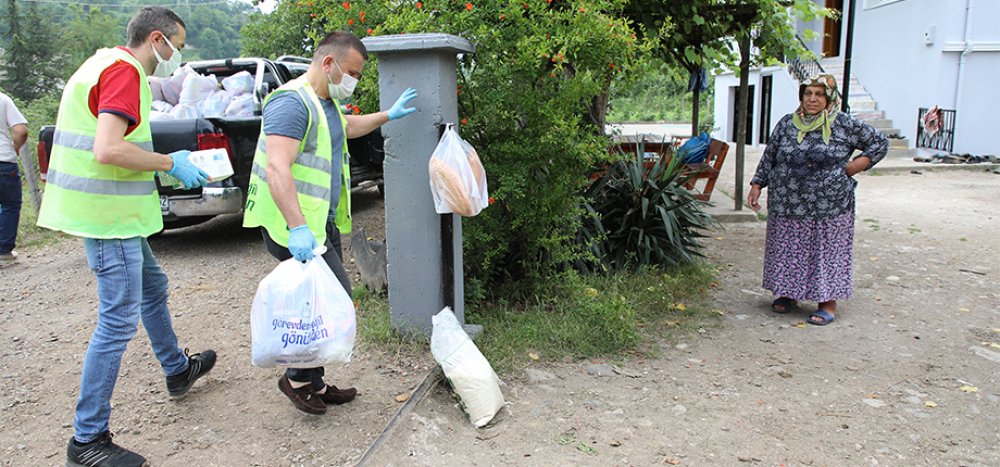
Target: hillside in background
84 25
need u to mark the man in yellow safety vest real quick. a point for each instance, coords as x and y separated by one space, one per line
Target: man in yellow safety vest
300 182
100 186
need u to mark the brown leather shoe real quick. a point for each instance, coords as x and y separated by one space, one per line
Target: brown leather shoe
302 398
338 396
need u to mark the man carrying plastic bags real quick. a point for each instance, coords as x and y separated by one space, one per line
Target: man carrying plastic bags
299 189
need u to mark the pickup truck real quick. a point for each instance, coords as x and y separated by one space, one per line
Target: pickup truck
238 135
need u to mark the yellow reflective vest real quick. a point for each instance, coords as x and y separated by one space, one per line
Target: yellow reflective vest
82 196
311 172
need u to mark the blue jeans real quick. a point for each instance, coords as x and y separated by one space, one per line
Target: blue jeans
10 205
334 258
130 285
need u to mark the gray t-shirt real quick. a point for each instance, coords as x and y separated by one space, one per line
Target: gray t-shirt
285 115
9 118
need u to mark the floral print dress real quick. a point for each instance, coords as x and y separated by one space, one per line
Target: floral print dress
810 203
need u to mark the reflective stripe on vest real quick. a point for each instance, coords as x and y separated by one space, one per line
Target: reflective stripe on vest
301 187
311 172
99 187
84 197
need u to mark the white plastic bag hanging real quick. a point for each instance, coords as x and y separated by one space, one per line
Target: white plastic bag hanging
302 317
474 380
457 177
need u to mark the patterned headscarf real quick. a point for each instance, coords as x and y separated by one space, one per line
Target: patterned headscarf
822 120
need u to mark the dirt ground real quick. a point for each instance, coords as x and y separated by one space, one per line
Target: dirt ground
908 375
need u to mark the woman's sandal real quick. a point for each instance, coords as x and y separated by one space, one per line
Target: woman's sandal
825 317
784 305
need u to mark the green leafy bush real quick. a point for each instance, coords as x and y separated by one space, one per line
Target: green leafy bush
526 102
643 215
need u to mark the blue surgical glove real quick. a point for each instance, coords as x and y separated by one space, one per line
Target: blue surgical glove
185 171
399 109
301 243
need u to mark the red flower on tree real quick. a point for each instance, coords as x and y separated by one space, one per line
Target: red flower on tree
464 121
420 5
369 31
350 22
346 5
468 6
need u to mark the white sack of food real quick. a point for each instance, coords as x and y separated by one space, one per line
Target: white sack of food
155 115
156 87
465 367
239 83
197 88
162 106
241 106
215 104
172 86
185 111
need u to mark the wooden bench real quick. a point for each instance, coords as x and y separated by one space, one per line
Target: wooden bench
707 171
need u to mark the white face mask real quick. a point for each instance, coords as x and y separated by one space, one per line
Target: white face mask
346 86
165 68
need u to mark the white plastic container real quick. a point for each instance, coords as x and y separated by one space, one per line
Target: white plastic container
215 162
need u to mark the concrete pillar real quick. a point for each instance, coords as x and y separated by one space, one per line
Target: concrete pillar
424 249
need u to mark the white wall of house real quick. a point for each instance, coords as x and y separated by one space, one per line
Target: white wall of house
784 100
906 54
903 70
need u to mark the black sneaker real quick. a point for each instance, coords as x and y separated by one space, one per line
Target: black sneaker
101 452
198 365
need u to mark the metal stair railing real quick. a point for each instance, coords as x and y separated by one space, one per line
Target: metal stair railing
802 68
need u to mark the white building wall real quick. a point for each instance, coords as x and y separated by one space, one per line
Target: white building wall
784 100
903 72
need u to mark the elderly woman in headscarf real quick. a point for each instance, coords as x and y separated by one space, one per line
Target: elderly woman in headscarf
808 169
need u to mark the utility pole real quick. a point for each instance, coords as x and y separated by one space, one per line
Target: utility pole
845 105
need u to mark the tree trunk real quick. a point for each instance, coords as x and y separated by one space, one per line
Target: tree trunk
741 115
694 110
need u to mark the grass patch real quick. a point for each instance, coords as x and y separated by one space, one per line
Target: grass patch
30 235
580 317
375 329
594 316
873 224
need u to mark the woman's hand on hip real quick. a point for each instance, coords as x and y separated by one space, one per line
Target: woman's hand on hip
857 165
754 197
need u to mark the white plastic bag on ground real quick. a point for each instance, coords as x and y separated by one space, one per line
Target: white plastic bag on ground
474 380
215 105
457 177
197 88
172 85
241 106
302 317
238 83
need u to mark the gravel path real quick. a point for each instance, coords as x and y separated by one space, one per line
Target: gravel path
906 376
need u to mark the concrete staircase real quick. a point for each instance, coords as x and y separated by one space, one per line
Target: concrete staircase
865 108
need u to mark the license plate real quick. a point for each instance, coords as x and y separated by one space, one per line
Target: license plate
164 204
